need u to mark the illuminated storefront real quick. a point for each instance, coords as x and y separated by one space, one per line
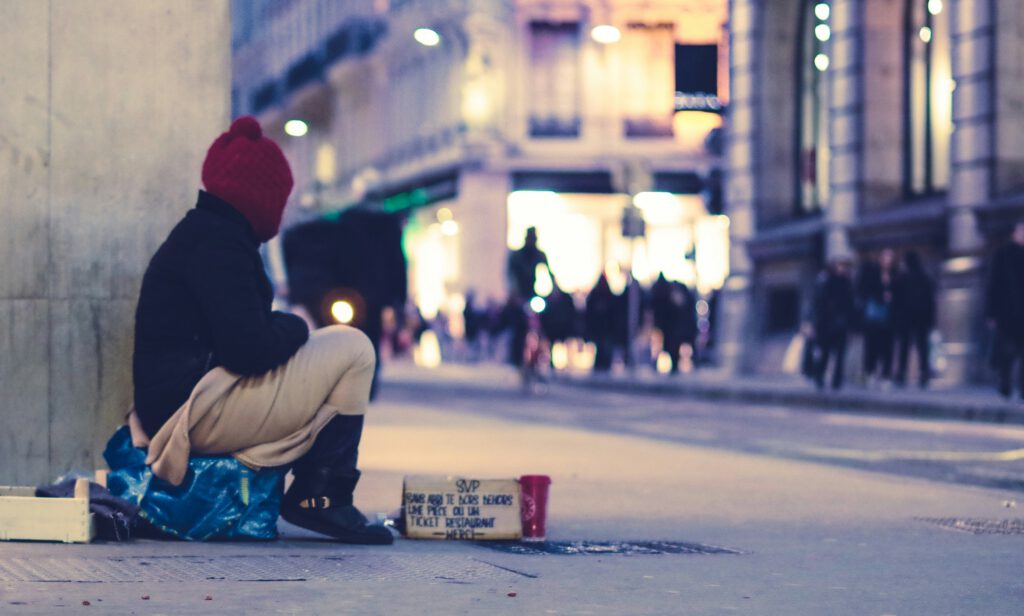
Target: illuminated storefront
581 233
582 236
432 247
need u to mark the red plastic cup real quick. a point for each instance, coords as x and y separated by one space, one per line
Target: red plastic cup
534 506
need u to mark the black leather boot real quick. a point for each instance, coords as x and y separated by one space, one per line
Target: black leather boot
320 500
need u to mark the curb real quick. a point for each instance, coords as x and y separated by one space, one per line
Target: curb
960 407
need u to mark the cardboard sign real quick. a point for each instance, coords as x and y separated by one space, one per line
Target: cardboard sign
461 508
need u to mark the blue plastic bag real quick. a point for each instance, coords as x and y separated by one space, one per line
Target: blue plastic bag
220 498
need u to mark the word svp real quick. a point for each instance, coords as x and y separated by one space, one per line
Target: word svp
461 508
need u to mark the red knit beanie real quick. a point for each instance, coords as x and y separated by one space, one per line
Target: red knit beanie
251 173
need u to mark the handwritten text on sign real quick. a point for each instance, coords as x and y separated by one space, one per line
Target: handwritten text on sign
461 508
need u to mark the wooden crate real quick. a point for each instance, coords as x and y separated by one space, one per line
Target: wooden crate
26 517
462 508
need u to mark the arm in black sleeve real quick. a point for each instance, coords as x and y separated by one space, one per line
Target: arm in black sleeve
248 338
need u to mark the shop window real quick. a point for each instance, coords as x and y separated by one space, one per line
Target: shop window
648 93
555 89
783 310
928 97
697 75
812 106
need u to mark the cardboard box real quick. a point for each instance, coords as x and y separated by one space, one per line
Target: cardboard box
462 508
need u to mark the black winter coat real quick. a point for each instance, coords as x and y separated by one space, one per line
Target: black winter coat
675 311
599 314
1004 295
205 302
914 302
834 307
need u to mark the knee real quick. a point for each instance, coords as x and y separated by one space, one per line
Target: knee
351 343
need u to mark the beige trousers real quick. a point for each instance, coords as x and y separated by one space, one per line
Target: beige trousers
267 420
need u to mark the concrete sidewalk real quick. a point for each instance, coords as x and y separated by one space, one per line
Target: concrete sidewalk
964 403
811 539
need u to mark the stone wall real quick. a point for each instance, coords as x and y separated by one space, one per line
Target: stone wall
106 109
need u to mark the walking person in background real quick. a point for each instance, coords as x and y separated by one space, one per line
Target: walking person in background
473 324
558 320
521 272
914 312
875 284
628 319
675 315
522 266
834 313
1005 309
600 323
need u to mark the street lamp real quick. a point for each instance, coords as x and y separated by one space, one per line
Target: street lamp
296 128
605 34
427 37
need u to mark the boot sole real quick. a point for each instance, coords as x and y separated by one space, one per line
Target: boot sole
341 536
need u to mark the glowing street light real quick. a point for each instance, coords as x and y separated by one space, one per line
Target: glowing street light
926 34
605 34
821 62
822 32
822 11
296 128
934 6
343 312
426 37
449 228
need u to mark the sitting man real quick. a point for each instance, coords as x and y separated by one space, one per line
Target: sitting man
216 371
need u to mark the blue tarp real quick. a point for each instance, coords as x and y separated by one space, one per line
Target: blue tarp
220 498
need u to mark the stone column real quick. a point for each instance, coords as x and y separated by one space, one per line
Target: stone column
961 280
106 112
482 214
846 113
734 330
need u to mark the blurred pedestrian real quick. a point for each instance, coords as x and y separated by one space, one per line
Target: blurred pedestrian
675 315
521 271
630 307
558 320
599 323
473 324
914 312
834 314
1005 309
522 266
875 284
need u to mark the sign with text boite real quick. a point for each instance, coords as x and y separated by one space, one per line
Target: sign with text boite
461 508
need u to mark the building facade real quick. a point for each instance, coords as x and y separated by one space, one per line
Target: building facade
859 125
477 119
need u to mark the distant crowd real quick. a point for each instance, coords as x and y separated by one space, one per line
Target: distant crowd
888 299
891 302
